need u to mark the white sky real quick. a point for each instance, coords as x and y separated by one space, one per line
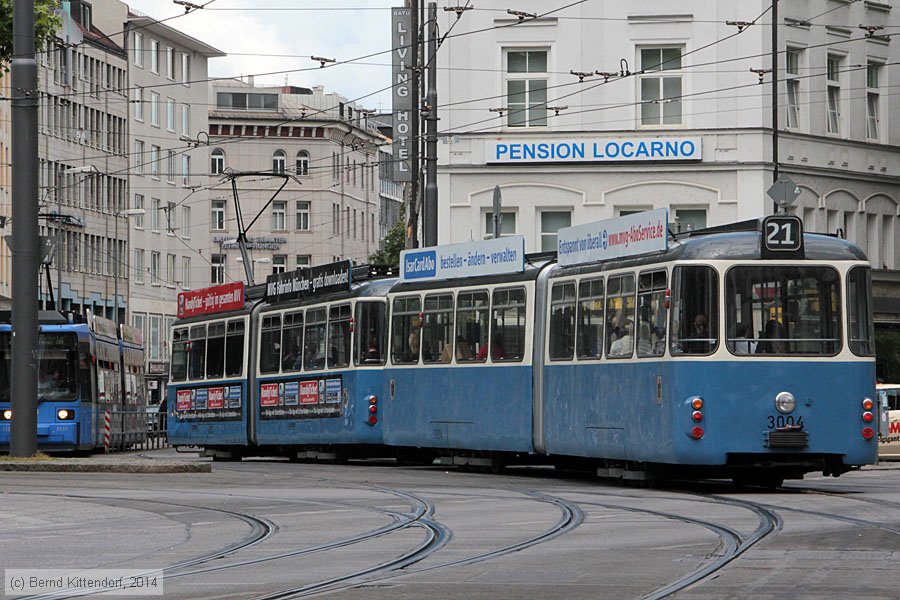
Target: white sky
247 30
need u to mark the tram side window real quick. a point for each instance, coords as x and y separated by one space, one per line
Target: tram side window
695 310
590 319
270 345
314 339
405 330
215 350
179 354
651 339
370 341
620 305
234 349
339 336
862 327
472 317
508 325
562 321
197 352
783 309
292 342
437 329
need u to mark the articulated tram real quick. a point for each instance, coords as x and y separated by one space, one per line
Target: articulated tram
87 367
744 352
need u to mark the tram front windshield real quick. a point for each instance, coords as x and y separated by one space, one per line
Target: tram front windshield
57 366
783 310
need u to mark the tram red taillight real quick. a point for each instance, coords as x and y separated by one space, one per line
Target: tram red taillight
373 419
868 433
697 416
373 409
697 432
868 417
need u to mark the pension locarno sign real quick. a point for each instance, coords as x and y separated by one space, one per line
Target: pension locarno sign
594 150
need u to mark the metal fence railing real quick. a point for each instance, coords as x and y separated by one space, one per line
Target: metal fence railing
134 430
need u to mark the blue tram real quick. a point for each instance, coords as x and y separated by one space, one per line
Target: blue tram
86 368
295 371
744 352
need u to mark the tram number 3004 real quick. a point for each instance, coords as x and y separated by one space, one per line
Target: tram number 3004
782 421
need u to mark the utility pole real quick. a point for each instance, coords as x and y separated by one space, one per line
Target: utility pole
430 224
25 246
412 229
775 93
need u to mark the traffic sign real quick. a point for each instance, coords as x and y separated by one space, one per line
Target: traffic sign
784 192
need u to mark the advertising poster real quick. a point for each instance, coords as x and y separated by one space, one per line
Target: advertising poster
311 398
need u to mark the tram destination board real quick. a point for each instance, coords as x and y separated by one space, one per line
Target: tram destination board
782 237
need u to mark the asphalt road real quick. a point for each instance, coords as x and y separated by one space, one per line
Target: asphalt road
373 531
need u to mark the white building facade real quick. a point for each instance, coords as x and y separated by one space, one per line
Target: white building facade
675 119
328 209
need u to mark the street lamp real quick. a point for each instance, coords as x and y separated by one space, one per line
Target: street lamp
128 212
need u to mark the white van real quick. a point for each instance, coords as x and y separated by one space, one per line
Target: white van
889 428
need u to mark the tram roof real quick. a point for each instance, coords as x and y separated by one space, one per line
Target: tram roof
735 245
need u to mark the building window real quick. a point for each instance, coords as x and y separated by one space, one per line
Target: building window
154 162
171 218
170 166
185 272
873 101
170 114
303 163
138 103
832 76
526 88
154 214
139 157
217 220
661 86
303 261
689 219
279 210
186 222
302 216
551 222
792 81
154 337
217 265
154 268
154 109
185 68
185 170
185 119
171 275
507 224
218 161
279 264
154 56
139 265
139 205
278 160
138 49
170 62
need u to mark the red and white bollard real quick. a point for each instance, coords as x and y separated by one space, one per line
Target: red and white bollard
106 422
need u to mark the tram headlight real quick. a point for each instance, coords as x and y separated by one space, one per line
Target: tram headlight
65 414
785 402
7 415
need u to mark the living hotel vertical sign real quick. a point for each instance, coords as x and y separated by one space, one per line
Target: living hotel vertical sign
401 38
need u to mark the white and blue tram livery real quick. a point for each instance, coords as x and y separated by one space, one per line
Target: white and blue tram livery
87 367
744 351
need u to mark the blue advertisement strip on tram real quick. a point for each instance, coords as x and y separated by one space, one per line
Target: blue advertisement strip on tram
488 257
640 233
302 398
213 403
